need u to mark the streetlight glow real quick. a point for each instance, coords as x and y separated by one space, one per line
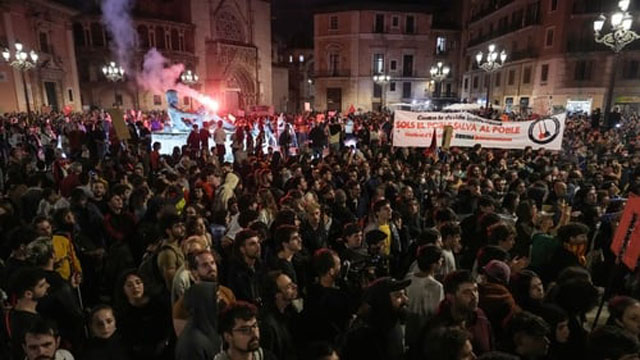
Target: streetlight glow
22 62
494 61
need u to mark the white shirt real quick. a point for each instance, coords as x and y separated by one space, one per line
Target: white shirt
219 136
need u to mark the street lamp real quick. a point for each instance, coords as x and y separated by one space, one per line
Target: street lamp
492 63
113 73
620 35
438 74
382 80
22 62
188 77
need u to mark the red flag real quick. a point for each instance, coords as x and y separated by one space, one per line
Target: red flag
626 240
432 150
352 109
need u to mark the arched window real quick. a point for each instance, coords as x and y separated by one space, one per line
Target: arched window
97 36
175 42
78 35
143 37
160 43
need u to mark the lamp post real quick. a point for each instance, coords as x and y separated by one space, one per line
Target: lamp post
113 73
189 78
438 74
22 62
382 80
492 63
620 35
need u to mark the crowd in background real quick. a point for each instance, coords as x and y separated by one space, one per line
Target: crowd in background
319 240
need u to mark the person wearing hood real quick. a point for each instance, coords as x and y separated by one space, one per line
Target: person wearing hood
226 191
495 298
377 331
200 340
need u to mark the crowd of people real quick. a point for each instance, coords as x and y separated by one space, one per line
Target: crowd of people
331 244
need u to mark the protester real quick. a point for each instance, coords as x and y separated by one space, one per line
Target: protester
104 205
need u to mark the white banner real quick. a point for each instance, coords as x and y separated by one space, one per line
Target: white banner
412 129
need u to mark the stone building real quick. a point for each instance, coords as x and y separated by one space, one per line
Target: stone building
553 60
227 43
355 41
44 26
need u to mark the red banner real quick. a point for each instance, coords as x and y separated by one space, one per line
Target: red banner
627 237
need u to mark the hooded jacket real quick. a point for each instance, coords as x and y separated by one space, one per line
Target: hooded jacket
200 339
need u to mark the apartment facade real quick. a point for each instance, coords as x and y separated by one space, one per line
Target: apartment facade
553 60
45 27
352 43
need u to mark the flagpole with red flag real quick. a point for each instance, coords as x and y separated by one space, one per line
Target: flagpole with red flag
432 150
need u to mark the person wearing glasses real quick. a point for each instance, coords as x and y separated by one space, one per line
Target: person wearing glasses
241 334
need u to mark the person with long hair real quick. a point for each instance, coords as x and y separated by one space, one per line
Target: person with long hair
145 323
268 206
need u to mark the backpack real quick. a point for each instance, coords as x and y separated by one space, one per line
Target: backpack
154 283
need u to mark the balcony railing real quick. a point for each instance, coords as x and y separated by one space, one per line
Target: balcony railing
532 20
589 45
495 6
333 73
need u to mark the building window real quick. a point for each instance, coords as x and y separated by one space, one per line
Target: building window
44 42
70 94
631 69
333 23
333 63
392 86
377 90
406 90
379 25
410 26
544 73
512 77
582 71
378 63
475 82
441 45
291 59
526 77
407 66
466 83
548 42
498 79
157 100
301 58
393 65
118 99
185 100
395 22
554 5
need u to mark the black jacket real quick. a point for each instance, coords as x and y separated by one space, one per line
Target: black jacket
244 281
112 348
276 332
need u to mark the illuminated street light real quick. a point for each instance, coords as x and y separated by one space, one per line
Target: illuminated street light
619 36
439 72
493 62
22 62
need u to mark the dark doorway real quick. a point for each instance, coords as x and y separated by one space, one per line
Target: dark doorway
334 99
52 97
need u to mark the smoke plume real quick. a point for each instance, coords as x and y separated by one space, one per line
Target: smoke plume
116 15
